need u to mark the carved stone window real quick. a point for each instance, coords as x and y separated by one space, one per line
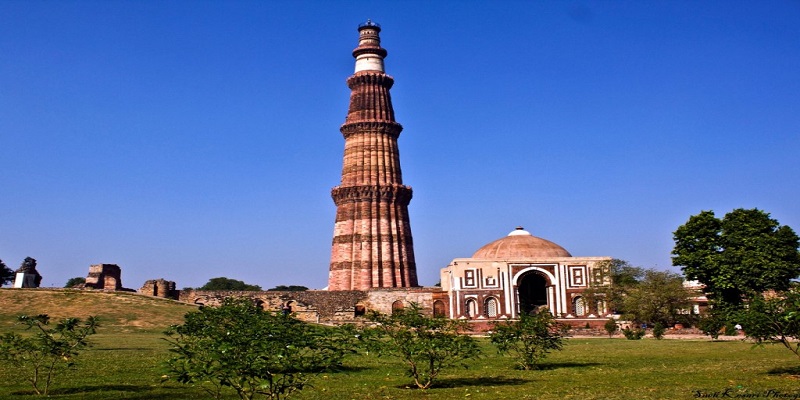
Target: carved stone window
491 307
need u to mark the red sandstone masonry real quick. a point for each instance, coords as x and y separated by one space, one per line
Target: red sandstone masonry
372 245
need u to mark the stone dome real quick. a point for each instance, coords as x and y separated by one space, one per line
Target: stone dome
520 244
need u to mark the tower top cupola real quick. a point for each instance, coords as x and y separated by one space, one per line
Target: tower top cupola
369 54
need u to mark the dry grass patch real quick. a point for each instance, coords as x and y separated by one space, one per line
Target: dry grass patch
117 311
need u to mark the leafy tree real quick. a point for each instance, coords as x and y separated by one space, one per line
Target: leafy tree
6 274
659 297
75 281
48 351
223 283
774 319
290 288
530 338
611 327
638 294
614 278
427 345
252 351
743 254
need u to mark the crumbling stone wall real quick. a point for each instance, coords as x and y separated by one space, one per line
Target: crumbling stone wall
159 288
105 277
320 306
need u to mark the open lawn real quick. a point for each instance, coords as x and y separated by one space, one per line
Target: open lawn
124 363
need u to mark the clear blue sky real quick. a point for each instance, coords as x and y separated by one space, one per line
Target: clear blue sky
194 139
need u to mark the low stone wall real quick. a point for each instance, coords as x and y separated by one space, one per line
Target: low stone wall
320 306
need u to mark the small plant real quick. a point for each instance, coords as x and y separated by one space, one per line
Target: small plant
659 330
711 325
774 320
529 339
252 351
611 327
633 334
426 344
48 351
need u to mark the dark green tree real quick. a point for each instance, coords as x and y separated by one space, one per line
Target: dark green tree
223 283
6 274
290 288
75 281
254 352
529 339
427 345
49 350
743 254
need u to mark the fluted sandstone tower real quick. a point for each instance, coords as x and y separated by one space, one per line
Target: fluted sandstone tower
372 245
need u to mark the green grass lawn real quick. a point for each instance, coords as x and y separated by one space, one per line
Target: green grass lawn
125 363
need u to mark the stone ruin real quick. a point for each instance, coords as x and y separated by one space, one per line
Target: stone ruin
27 276
160 288
105 277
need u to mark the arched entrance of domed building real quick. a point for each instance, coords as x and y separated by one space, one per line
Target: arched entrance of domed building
531 292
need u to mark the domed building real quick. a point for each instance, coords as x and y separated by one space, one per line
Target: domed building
518 274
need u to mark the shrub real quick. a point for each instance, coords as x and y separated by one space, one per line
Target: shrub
775 319
48 351
633 334
711 325
611 327
427 345
658 331
254 352
529 339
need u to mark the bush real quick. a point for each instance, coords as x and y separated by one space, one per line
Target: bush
254 352
658 331
711 325
633 334
529 339
775 320
611 327
424 343
48 351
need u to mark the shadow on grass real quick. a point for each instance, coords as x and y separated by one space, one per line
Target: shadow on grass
478 381
89 389
348 368
790 371
552 366
481 381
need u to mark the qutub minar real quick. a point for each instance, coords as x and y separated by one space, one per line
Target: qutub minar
372 245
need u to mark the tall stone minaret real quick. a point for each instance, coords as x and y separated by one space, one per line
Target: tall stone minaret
372 246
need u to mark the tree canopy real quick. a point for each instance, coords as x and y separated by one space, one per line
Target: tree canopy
223 283
640 295
743 253
75 281
290 288
6 274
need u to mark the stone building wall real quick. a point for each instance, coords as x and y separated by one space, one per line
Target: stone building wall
159 288
319 306
105 277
